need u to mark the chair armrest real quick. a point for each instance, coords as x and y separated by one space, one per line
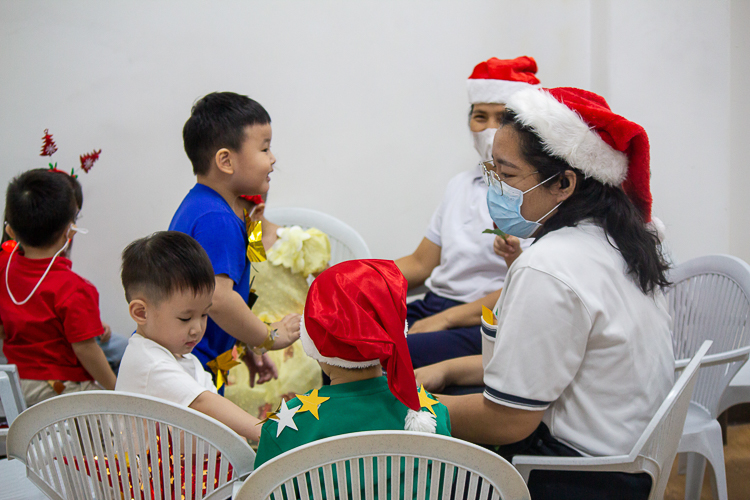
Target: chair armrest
740 354
526 463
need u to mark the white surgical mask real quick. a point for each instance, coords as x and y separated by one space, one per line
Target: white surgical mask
483 142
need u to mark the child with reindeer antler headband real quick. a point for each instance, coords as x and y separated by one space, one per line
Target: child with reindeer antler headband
50 315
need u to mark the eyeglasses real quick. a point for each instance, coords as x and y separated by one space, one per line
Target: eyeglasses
490 177
489 174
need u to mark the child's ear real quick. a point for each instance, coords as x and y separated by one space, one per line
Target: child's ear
9 231
137 309
223 160
258 211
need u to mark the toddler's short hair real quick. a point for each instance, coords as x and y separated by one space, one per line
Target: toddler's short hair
39 205
164 263
218 120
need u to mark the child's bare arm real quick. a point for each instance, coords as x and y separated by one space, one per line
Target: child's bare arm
94 361
231 313
229 414
2 332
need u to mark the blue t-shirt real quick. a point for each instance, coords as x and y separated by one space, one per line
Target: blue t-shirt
207 217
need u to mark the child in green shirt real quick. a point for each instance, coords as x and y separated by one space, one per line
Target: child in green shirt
354 325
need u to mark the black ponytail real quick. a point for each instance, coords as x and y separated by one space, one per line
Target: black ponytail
608 206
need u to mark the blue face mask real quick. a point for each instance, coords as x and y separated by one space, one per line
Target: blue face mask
505 209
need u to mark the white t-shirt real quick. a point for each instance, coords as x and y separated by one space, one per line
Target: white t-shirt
148 368
469 269
578 338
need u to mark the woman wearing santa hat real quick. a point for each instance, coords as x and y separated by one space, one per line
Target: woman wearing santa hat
455 259
581 356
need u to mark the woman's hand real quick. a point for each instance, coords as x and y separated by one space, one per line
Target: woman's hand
432 377
434 323
509 248
288 330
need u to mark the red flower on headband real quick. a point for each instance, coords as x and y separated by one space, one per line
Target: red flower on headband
49 147
87 160
255 200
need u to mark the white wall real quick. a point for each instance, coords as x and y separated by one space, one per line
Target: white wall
367 99
739 106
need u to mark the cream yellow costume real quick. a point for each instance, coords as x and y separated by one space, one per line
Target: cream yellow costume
281 283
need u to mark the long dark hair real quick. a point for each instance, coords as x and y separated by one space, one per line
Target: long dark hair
607 206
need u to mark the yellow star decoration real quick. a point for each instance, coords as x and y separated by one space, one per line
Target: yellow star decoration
310 403
271 415
425 401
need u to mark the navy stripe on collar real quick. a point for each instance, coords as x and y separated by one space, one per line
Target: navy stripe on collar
502 397
489 332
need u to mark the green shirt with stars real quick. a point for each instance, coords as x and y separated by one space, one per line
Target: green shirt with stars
365 405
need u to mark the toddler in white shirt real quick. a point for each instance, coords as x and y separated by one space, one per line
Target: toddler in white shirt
169 284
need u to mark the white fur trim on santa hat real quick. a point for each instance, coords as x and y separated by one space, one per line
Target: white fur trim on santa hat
420 421
493 91
657 227
311 350
566 135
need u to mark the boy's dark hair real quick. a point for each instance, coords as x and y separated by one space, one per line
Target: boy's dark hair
218 120
39 206
164 263
75 185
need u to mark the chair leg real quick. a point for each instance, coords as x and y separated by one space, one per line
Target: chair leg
718 476
695 469
681 463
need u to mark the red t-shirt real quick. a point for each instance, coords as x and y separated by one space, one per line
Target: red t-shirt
63 310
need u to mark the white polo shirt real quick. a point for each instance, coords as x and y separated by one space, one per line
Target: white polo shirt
150 369
469 269
578 338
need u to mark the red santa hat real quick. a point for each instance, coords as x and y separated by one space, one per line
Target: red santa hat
579 127
495 80
355 317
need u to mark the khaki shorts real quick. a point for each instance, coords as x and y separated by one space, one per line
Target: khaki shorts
36 391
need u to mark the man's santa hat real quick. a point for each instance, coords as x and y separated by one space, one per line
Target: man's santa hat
579 127
495 80
355 317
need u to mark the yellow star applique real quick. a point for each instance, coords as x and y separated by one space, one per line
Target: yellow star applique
271 415
425 401
310 403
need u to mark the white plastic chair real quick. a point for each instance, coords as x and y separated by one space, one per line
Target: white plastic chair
655 450
100 444
709 299
738 390
445 462
346 243
12 402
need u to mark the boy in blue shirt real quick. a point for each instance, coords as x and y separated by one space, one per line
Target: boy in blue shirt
228 141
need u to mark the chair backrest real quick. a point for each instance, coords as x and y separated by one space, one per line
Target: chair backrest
110 445
400 463
655 450
12 402
346 243
710 300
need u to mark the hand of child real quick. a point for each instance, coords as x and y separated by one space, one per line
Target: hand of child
434 323
104 337
288 330
432 377
509 248
262 366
